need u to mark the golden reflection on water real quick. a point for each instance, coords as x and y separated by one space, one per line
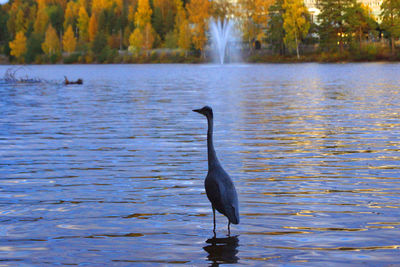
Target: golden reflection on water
339 248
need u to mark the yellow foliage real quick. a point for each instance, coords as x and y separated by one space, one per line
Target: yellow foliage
20 21
180 13
148 37
71 13
198 15
51 44
136 40
42 19
164 6
142 38
131 15
83 23
253 18
294 22
143 14
69 40
184 36
18 46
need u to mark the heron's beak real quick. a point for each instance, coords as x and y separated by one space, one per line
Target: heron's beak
196 110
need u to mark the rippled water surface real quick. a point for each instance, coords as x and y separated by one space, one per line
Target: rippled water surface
111 173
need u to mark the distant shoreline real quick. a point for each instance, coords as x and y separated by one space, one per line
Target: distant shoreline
251 59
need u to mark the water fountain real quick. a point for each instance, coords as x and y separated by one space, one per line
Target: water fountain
223 36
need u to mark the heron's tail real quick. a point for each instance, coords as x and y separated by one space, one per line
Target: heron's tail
233 216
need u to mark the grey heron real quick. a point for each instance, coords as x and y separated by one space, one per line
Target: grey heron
219 187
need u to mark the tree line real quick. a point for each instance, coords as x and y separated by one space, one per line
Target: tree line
36 31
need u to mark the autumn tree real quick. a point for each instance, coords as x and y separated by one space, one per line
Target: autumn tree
143 36
18 46
71 14
198 15
18 17
51 44
391 20
131 15
143 14
223 9
295 23
253 16
184 36
136 40
69 40
20 24
182 30
148 37
93 27
83 24
42 19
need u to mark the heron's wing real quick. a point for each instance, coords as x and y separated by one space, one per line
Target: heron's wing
214 195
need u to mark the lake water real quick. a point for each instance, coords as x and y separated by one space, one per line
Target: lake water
111 173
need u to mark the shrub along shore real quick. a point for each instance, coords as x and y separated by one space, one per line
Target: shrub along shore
368 53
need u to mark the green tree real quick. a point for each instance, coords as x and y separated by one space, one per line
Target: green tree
56 17
34 47
333 28
391 20
275 30
295 23
158 22
100 47
360 21
99 42
4 34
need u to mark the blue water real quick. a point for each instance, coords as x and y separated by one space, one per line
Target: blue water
110 173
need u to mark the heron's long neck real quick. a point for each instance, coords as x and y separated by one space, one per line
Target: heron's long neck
212 157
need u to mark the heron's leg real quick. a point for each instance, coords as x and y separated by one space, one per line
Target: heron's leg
214 220
229 228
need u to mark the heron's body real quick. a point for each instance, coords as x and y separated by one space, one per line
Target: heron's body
219 187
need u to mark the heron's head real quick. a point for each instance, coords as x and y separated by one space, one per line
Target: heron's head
206 111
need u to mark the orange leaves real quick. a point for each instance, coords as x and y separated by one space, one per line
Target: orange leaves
198 15
93 25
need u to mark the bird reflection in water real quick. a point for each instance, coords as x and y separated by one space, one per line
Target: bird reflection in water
222 250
